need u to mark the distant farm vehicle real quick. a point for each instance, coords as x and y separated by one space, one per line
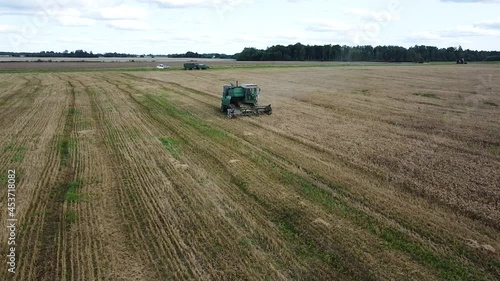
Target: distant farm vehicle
242 100
193 65
461 61
162 66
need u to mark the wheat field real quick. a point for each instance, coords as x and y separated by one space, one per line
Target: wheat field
376 172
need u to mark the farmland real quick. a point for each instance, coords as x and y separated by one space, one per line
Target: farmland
387 172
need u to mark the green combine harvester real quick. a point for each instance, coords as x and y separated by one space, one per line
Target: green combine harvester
242 101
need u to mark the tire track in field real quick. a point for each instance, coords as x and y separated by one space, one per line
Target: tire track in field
102 221
53 261
79 239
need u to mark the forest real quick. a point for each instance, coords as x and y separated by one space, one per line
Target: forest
300 52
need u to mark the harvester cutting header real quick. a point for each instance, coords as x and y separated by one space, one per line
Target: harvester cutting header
242 100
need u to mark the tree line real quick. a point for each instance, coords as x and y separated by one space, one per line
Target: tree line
85 54
65 54
300 52
196 55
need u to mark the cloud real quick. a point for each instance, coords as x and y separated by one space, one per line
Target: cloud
472 1
10 12
196 3
17 5
361 33
123 12
426 36
72 17
485 28
458 34
128 25
327 25
364 27
180 3
489 24
32 6
81 12
370 15
4 28
470 30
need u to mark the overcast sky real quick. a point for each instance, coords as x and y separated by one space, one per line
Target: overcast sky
178 26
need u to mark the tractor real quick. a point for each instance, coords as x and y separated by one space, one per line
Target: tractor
191 66
242 100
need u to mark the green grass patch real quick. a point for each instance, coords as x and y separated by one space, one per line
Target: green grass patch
19 154
495 149
72 195
362 92
3 178
448 268
71 217
187 118
210 131
289 222
245 243
64 148
73 111
426 95
171 145
241 184
328 200
8 148
243 187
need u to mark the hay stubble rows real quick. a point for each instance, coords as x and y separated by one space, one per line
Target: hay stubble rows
361 173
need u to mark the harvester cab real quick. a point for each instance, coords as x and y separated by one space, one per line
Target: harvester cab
242 100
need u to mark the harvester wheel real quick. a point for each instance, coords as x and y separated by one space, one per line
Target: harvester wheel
223 108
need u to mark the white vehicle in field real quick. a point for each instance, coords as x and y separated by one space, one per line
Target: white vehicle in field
162 66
